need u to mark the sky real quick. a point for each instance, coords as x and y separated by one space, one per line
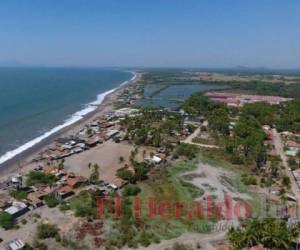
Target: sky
151 33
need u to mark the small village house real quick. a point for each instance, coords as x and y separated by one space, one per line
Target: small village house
17 209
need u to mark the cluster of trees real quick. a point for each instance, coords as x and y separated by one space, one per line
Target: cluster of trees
198 104
187 150
247 141
285 117
152 127
217 114
139 173
288 118
248 179
269 232
51 200
263 112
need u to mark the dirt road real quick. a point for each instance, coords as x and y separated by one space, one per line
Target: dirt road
189 140
279 147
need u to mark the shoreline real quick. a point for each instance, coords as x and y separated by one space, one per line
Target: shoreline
24 158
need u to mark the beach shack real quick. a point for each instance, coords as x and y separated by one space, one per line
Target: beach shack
64 192
35 199
75 181
117 184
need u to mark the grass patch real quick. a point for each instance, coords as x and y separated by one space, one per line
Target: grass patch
166 185
192 189
51 200
19 194
84 204
190 177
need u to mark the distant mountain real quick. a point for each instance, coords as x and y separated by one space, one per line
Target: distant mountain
265 70
245 68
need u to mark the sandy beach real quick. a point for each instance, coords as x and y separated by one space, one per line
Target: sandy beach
23 161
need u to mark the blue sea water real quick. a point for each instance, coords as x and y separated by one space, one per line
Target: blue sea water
35 102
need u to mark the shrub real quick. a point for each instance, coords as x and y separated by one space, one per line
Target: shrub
179 246
125 174
19 194
64 206
286 181
248 179
45 231
28 247
6 220
51 200
35 177
38 245
131 190
187 150
84 204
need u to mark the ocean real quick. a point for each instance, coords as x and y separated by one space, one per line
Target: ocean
37 102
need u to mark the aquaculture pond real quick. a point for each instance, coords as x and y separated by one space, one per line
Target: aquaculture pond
170 96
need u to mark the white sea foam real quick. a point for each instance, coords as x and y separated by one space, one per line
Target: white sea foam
74 118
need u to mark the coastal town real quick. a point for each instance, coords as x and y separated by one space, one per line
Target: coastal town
130 150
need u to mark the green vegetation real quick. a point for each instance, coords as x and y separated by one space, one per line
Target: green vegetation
288 118
84 204
140 172
45 231
219 120
131 190
36 177
51 200
198 104
167 187
19 194
187 150
27 247
192 189
261 111
271 233
247 142
264 88
94 177
248 179
152 127
6 220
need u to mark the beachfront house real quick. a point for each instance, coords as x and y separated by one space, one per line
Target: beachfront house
17 209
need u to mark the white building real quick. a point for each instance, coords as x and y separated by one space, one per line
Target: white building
16 245
17 209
